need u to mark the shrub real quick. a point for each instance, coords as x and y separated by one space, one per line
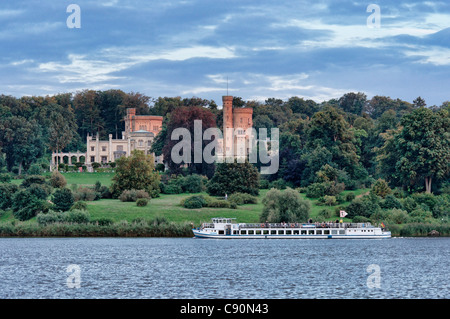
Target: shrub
263 184
278 184
102 221
35 169
325 214
85 194
234 177
49 218
193 183
33 179
194 202
317 190
5 177
364 206
141 202
79 205
6 194
397 216
41 191
285 206
350 196
381 188
133 195
391 202
26 205
419 215
63 199
242 198
77 216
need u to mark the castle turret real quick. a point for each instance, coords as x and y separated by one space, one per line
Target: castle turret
227 122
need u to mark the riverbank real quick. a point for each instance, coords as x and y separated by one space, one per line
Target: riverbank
160 227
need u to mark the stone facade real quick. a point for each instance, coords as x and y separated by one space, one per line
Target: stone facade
140 131
236 121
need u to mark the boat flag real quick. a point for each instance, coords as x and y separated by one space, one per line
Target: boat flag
342 213
382 225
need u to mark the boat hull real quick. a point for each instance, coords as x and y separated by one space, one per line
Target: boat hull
200 234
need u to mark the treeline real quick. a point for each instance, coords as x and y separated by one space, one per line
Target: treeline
350 140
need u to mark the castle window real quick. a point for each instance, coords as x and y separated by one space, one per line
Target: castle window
149 143
140 142
119 148
143 127
92 159
104 159
92 148
103 148
241 119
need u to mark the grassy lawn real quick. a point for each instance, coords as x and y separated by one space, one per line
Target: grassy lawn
168 206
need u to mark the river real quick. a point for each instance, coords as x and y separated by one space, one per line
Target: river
54 268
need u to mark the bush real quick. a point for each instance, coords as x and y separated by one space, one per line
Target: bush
391 202
6 194
278 184
419 215
33 179
234 177
325 214
49 218
285 206
397 216
141 202
194 202
317 190
381 188
63 199
242 198
364 206
263 184
194 183
41 191
57 180
5 177
102 221
35 169
77 216
79 205
133 195
26 205
350 196
85 194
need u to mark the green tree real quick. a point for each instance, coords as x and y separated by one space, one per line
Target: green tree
420 150
234 177
63 199
135 172
284 206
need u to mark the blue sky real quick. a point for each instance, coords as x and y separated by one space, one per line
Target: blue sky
313 49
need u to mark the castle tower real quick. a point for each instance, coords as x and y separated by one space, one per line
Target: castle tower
227 123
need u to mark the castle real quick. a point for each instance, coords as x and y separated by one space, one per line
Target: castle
236 121
141 130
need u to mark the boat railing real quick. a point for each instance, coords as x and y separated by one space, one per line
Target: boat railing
308 225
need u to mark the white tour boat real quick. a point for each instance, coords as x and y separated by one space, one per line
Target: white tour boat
225 228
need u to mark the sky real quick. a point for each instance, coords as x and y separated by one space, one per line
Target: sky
315 49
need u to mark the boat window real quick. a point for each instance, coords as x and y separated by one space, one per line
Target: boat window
251 232
333 231
303 232
319 232
281 232
234 232
220 232
273 232
341 232
296 231
288 232
310 232
326 232
265 232
243 232
258 232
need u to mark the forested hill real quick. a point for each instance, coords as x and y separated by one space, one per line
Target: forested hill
351 139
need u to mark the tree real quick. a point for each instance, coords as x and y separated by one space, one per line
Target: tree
135 172
353 102
419 151
184 117
60 133
63 199
26 205
21 141
284 206
234 177
57 180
